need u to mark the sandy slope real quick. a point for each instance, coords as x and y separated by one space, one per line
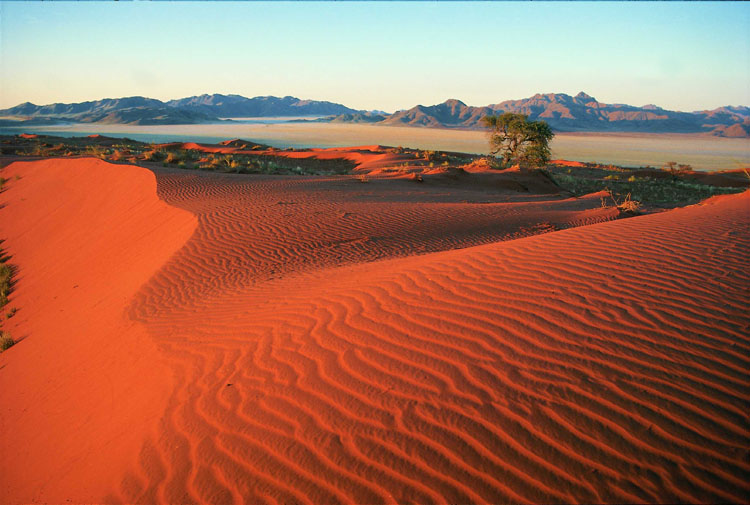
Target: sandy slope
85 382
605 363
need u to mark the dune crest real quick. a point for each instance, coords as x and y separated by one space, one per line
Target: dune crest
84 383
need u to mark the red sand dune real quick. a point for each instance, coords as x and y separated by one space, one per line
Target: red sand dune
28 135
367 158
567 163
604 363
84 382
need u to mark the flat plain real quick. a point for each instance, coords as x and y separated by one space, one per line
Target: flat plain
703 152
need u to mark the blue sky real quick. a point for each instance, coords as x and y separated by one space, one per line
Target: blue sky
684 56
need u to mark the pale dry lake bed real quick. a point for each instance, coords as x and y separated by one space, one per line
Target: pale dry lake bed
703 152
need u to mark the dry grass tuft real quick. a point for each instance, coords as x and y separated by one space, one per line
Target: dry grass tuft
629 205
6 341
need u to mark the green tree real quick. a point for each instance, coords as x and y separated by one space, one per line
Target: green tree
518 140
676 169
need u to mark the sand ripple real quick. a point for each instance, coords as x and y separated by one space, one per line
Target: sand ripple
607 363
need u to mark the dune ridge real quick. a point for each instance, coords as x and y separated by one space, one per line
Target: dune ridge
84 382
602 364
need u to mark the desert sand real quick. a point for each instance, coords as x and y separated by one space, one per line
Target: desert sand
192 337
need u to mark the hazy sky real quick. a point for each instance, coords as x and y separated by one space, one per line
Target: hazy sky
389 56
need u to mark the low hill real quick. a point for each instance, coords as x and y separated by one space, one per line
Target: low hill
359 117
449 113
737 130
149 116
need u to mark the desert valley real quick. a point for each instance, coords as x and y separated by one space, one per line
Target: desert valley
271 300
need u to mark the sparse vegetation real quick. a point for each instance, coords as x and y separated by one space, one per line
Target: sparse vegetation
661 192
252 159
11 313
625 204
154 155
6 274
515 138
675 169
6 341
94 150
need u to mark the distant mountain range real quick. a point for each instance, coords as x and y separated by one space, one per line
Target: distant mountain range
563 112
233 106
191 110
577 113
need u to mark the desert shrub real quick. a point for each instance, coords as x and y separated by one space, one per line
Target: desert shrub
676 169
6 272
629 205
96 151
172 157
625 204
6 341
154 155
215 162
11 313
37 150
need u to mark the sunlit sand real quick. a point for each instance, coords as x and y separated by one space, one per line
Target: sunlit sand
201 337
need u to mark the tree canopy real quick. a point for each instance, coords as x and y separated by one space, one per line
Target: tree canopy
518 140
